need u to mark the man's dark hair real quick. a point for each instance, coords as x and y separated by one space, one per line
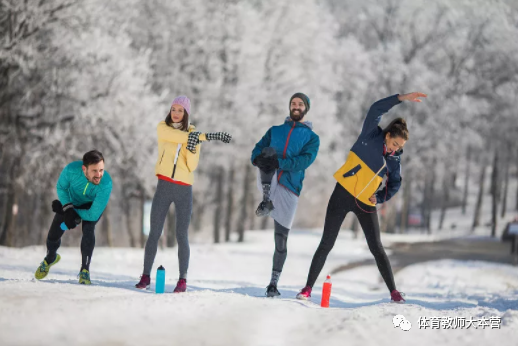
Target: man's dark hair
92 157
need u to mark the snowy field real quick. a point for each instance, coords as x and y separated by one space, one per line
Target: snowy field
224 304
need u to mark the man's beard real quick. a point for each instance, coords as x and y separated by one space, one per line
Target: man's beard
297 117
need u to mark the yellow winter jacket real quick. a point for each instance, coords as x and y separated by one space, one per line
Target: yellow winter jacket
172 147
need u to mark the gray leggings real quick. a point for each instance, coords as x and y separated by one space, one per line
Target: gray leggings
167 193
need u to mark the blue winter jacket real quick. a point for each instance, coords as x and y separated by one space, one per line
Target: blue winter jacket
296 145
366 158
73 187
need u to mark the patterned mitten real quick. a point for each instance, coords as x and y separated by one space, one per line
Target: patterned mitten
219 136
193 141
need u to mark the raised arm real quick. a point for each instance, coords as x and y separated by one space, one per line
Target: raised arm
376 111
382 106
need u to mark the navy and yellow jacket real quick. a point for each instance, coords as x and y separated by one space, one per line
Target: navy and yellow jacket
363 171
73 187
296 145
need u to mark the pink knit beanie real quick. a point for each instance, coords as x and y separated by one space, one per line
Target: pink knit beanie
184 102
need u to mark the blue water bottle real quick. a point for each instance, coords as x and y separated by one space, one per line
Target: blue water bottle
160 280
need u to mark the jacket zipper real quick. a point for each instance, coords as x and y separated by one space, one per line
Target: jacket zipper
285 149
176 159
84 191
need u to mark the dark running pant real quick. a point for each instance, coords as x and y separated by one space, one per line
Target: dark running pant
281 248
340 203
87 242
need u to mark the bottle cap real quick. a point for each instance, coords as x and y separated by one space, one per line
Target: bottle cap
328 276
161 268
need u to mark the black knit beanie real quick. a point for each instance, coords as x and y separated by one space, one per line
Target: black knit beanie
304 99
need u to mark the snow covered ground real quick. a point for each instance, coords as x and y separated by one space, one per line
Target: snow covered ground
224 303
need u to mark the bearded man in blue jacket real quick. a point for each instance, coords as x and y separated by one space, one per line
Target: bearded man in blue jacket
84 189
282 156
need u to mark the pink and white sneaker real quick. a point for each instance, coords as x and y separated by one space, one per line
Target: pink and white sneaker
305 293
181 286
145 281
397 297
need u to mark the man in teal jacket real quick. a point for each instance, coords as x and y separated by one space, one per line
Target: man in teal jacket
282 157
84 190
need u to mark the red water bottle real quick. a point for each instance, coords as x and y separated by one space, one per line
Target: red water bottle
326 292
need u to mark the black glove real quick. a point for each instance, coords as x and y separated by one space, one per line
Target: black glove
57 207
72 219
267 164
193 141
219 136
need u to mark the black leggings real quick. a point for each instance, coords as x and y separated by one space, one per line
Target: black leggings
87 242
340 203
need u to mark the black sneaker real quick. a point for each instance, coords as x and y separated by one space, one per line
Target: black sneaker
271 291
264 208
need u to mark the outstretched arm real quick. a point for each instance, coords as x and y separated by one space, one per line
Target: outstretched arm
382 106
169 134
98 206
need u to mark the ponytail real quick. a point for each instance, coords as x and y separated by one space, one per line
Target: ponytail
397 128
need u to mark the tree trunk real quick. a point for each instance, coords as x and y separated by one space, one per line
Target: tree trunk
391 216
218 200
244 204
466 181
252 202
424 207
407 197
127 215
516 207
495 193
480 197
198 212
230 204
7 236
35 221
505 188
108 226
445 198
454 174
428 202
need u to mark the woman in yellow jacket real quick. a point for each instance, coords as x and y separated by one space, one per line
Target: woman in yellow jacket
178 157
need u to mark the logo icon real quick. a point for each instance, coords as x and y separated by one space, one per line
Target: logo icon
401 322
